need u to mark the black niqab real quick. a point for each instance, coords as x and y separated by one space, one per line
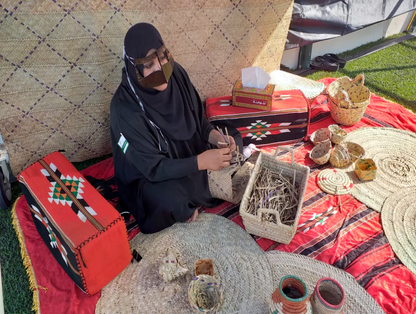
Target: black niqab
171 109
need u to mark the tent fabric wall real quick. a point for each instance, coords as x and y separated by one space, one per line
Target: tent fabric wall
61 61
316 20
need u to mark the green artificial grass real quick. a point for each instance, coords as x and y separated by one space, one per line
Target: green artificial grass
389 73
16 293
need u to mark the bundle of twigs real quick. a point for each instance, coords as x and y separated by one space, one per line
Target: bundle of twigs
276 192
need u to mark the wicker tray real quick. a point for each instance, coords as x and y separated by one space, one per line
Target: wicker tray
275 231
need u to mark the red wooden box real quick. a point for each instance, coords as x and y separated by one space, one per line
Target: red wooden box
84 233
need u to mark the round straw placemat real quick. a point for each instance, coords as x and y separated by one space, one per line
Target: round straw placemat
333 181
239 263
285 81
398 217
357 300
394 153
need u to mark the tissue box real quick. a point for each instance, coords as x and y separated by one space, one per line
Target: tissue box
287 121
251 97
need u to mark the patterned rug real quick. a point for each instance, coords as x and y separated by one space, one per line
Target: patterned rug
349 237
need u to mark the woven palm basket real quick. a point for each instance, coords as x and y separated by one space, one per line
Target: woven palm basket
248 274
254 222
61 62
287 81
348 99
358 94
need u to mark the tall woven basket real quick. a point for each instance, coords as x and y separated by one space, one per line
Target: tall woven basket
276 231
348 99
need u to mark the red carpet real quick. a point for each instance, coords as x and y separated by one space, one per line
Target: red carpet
351 239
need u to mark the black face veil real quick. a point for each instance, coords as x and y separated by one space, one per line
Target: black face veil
170 110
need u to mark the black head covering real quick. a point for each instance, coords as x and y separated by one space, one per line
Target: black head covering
171 109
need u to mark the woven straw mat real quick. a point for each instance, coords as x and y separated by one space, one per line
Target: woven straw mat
248 274
286 81
334 182
60 62
398 217
394 153
239 263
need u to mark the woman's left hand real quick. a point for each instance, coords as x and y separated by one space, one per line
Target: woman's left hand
215 138
230 140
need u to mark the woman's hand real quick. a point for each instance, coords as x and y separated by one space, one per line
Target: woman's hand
214 159
215 138
193 216
230 140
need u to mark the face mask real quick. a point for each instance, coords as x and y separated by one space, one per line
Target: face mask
156 78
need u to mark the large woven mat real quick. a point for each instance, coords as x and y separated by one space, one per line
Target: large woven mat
248 274
60 62
394 153
238 261
357 300
398 217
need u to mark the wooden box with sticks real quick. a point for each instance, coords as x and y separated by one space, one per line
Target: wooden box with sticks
273 199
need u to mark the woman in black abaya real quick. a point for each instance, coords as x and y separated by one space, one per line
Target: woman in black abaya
162 143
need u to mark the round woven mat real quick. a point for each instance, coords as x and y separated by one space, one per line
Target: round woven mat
286 81
398 217
248 274
357 300
334 182
394 153
239 263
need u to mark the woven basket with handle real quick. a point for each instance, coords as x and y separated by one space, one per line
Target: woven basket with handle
348 99
254 224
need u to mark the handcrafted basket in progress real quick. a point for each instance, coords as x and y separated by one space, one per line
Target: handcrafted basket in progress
276 231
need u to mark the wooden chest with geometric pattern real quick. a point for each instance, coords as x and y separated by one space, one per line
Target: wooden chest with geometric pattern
85 234
287 121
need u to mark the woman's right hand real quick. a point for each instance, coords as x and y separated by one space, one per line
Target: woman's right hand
214 159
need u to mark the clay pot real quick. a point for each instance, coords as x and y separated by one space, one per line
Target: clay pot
327 297
291 297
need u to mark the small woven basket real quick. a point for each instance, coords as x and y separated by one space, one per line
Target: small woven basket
321 153
345 154
276 231
358 94
320 135
337 134
345 116
205 294
228 184
348 99
328 297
